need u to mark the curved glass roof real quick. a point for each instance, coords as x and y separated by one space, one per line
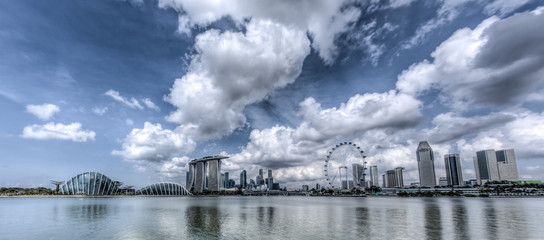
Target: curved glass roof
164 188
89 183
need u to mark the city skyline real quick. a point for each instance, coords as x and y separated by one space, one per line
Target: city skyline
137 89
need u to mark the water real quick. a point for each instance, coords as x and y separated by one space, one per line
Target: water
271 218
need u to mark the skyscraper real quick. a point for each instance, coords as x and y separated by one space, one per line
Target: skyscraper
506 161
495 166
454 174
374 176
226 180
485 165
269 180
243 179
425 164
394 177
358 171
398 177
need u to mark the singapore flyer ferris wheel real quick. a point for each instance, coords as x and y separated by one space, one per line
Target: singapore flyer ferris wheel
345 166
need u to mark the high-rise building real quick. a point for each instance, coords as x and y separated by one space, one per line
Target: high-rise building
358 171
226 180
485 165
454 173
425 164
506 161
394 178
374 176
243 179
269 180
495 166
384 181
442 181
317 186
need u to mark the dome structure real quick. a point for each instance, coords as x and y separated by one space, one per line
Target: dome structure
89 183
165 188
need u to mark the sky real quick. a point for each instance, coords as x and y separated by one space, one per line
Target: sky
136 89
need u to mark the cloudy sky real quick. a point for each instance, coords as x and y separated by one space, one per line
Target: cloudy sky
135 89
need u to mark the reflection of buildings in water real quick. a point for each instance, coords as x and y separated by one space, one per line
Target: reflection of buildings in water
459 219
362 222
433 222
89 212
490 219
266 214
204 221
397 218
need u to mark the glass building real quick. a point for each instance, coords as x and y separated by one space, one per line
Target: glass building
454 174
89 183
425 164
165 188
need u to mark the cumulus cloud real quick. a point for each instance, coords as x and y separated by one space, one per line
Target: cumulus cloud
44 111
323 20
153 144
100 111
498 63
503 7
72 132
449 126
232 70
360 113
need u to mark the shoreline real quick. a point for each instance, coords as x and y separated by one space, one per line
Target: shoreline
198 196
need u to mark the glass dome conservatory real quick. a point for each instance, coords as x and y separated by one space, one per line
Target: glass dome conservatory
89 183
163 189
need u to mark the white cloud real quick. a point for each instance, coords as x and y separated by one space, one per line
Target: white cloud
129 122
323 20
360 113
131 103
100 111
72 132
504 7
498 63
232 70
153 144
44 111
151 105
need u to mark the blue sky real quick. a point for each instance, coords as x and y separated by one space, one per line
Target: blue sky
135 89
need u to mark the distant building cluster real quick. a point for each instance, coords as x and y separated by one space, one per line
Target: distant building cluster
489 165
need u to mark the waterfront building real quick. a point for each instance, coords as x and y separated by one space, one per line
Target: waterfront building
442 181
305 188
252 184
394 178
358 172
317 187
166 188
495 166
231 183
425 164
454 172
506 162
226 180
374 176
269 180
205 174
90 183
399 177
243 179
276 186
384 181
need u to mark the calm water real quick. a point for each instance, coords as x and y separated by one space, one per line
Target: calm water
271 218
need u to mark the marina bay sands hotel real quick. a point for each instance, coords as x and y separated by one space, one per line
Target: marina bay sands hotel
201 168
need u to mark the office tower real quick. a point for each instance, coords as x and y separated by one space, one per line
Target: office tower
384 181
485 165
425 165
442 181
374 176
399 177
506 162
495 166
454 173
269 180
258 180
243 179
344 184
187 180
358 171
305 188
252 184
390 178
226 180
276 186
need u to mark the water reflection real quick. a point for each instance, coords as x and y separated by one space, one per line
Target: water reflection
204 221
490 219
433 223
362 222
89 212
459 218
396 217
